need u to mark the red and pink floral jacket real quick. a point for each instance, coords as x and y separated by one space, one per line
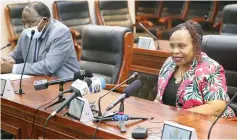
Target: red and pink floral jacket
202 82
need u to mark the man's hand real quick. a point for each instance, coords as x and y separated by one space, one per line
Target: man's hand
6 65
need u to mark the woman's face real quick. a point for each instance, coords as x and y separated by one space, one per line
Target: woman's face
182 50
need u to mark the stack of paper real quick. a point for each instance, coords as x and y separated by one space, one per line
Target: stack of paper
12 76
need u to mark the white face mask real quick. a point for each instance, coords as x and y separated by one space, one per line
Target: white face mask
37 33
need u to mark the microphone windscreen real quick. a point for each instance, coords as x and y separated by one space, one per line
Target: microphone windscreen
103 84
88 81
98 83
88 74
79 75
134 86
32 32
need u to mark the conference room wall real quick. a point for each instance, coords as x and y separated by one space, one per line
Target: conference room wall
4 32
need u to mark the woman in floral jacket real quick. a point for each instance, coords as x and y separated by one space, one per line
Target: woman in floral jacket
189 79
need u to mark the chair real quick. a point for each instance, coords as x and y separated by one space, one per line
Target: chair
223 49
148 90
14 21
166 11
229 25
106 52
147 11
218 20
75 15
116 13
148 64
172 10
196 12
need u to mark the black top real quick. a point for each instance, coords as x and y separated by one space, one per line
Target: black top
169 96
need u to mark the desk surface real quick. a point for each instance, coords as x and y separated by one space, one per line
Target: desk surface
24 106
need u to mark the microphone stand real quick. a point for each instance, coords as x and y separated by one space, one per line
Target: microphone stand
20 89
135 74
60 97
121 117
210 129
208 24
8 45
158 46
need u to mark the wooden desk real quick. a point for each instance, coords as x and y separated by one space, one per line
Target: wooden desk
17 116
150 61
163 44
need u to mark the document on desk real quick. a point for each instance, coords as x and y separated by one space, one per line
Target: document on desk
12 76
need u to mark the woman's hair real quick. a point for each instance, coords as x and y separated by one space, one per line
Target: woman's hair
196 33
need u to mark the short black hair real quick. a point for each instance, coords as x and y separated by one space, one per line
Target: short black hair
40 8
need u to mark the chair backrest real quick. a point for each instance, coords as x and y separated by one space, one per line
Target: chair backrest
198 9
106 51
221 5
147 8
223 49
229 24
115 13
148 90
174 8
13 15
148 64
74 14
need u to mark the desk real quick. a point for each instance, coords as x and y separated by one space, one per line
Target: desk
163 44
17 116
150 61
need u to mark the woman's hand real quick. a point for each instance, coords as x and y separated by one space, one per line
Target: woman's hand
213 108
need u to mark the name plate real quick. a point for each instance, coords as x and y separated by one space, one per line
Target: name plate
7 89
146 43
80 109
173 130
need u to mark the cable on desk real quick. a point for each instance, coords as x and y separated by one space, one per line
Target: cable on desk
45 124
33 122
154 133
151 120
93 137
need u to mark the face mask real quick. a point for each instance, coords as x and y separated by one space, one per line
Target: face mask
37 33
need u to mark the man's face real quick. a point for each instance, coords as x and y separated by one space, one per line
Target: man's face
30 18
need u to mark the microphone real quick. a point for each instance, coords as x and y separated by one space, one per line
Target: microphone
97 83
44 84
20 89
158 47
206 18
127 93
135 74
8 45
77 92
209 132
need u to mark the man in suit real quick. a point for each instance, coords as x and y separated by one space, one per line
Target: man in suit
52 50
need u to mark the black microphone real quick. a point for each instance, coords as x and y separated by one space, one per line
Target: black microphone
158 47
133 76
209 132
8 45
208 24
127 93
44 84
69 99
206 18
20 89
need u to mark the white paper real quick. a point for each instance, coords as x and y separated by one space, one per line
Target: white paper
12 76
